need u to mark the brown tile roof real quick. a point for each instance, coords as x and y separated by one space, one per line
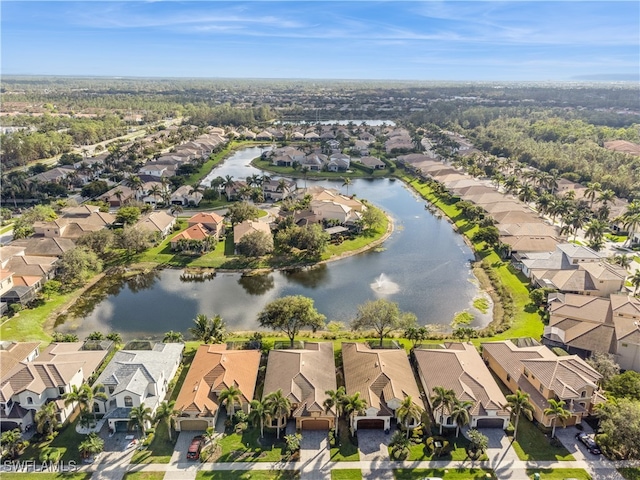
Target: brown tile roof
566 280
581 307
303 376
460 368
205 218
54 367
45 247
195 232
530 243
215 368
249 226
565 376
12 353
379 375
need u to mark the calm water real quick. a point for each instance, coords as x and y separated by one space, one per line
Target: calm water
424 267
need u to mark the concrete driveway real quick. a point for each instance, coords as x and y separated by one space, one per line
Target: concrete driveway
373 444
182 445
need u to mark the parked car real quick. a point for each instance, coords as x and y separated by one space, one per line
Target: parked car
589 442
194 448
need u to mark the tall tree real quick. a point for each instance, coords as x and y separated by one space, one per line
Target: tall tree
278 406
208 330
460 413
166 413
229 397
407 412
47 419
92 393
139 417
442 400
290 314
334 400
382 316
519 404
556 411
354 405
259 415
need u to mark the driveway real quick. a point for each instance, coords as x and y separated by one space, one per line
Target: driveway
373 444
181 447
315 455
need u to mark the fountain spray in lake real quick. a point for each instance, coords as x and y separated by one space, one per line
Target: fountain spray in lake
384 286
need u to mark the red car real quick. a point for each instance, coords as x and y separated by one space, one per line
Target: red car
194 449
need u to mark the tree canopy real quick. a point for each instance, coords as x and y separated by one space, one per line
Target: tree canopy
290 314
382 316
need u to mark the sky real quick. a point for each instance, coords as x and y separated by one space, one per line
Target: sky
428 40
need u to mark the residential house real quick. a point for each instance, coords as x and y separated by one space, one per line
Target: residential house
278 189
211 220
56 175
303 375
214 369
584 325
194 232
152 169
118 196
459 367
247 227
338 162
134 377
537 371
314 161
185 195
383 378
44 247
157 222
38 379
373 162
565 256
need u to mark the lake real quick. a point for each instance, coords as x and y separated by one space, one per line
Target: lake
424 266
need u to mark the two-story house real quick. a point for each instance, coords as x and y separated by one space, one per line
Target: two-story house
134 377
42 378
537 371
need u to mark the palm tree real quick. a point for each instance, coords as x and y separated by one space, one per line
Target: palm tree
166 412
408 412
209 434
556 410
595 231
334 400
139 416
635 281
631 219
77 395
442 399
460 413
208 330
229 397
12 442
173 337
623 260
278 407
92 445
134 183
91 393
519 404
259 415
346 181
118 194
354 405
155 192
592 191
47 419
305 171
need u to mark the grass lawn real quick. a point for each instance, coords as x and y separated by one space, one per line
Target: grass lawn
66 441
6 228
47 476
293 173
249 447
559 473
345 451
448 474
28 324
532 444
347 474
144 476
631 473
458 450
160 449
248 475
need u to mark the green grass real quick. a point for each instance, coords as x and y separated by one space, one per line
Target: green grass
615 238
47 476
6 228
249 447
293 173
28 325
458 451
346 451
66 441
532 444
144 476
160 449
481 304
447 474
559 473
248 475
630 473
347 474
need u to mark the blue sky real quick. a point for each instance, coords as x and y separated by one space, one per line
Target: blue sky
433 40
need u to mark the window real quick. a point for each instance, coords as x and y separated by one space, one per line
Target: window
583 393
29 400
541 389
625 344
61 390
128 401
111 389
96 407
508 377
526 374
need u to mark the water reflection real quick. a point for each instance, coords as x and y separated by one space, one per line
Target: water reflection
257 285
313 277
